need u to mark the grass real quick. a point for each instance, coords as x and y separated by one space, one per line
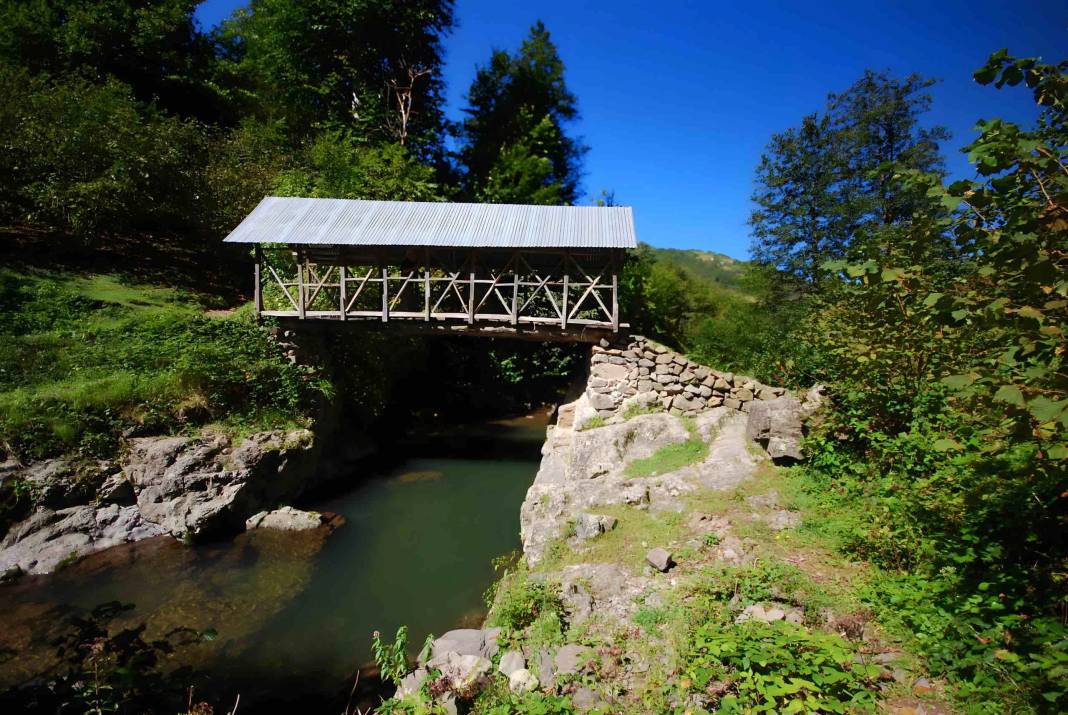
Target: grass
85 358
672 457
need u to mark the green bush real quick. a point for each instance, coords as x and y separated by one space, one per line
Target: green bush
779 667
520 600
91 158
88 358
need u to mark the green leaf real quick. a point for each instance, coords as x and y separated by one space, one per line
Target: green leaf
892 274
946 445
1009 394
1044 409
958 382
931 299
950 203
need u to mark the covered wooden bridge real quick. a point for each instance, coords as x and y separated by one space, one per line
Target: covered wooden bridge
542 272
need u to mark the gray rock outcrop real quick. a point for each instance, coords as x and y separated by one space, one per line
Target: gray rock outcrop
190 488
50 538
777 426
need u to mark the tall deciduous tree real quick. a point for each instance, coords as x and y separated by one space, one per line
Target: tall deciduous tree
515 148
341 63
830 182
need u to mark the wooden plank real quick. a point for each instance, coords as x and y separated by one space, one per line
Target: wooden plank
515 289
301 308
385 294
471 292
563 312
343 275
426 284
615 294
257 292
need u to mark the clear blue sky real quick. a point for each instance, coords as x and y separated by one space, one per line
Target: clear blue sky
679 98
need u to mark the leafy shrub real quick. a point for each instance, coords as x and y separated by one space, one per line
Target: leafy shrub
779 667
521 600
391 658
86 359
91 158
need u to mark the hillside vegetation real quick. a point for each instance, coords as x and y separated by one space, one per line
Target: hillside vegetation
89 358
934 312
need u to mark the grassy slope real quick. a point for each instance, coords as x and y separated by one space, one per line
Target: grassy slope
706 266
87 357
689 639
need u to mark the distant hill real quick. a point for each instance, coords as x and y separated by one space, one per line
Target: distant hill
708 266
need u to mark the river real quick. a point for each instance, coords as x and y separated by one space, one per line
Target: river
294 612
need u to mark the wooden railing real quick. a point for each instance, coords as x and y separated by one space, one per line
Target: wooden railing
545 288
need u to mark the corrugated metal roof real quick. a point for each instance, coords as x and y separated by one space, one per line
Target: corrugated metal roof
410 223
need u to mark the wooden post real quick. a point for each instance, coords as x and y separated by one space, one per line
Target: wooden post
342 272
471 292
385 293
515 289
257 292
563 312
426 285
301 308
615 292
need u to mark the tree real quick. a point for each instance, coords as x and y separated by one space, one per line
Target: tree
514 147
829 183
342 63
878 119
801 220
154 47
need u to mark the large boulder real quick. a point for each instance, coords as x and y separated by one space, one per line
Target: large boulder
202 488
287 519
777 426
48 539
466 641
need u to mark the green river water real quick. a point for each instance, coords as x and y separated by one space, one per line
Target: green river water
294 612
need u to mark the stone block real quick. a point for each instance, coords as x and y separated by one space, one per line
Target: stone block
687 376
732 403
664 359
659 559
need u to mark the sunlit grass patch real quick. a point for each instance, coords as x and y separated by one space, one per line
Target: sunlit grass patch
669 459
85 358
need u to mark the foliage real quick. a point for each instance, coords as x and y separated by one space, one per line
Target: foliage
154 48
391 658
942 336
91 158
514 148
86 359
779 667
520 600
822 185
337 165
533 703
339 63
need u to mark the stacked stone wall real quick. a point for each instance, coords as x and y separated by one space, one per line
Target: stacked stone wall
643 371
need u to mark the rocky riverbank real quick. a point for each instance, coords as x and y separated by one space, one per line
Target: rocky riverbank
192 488
613 525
